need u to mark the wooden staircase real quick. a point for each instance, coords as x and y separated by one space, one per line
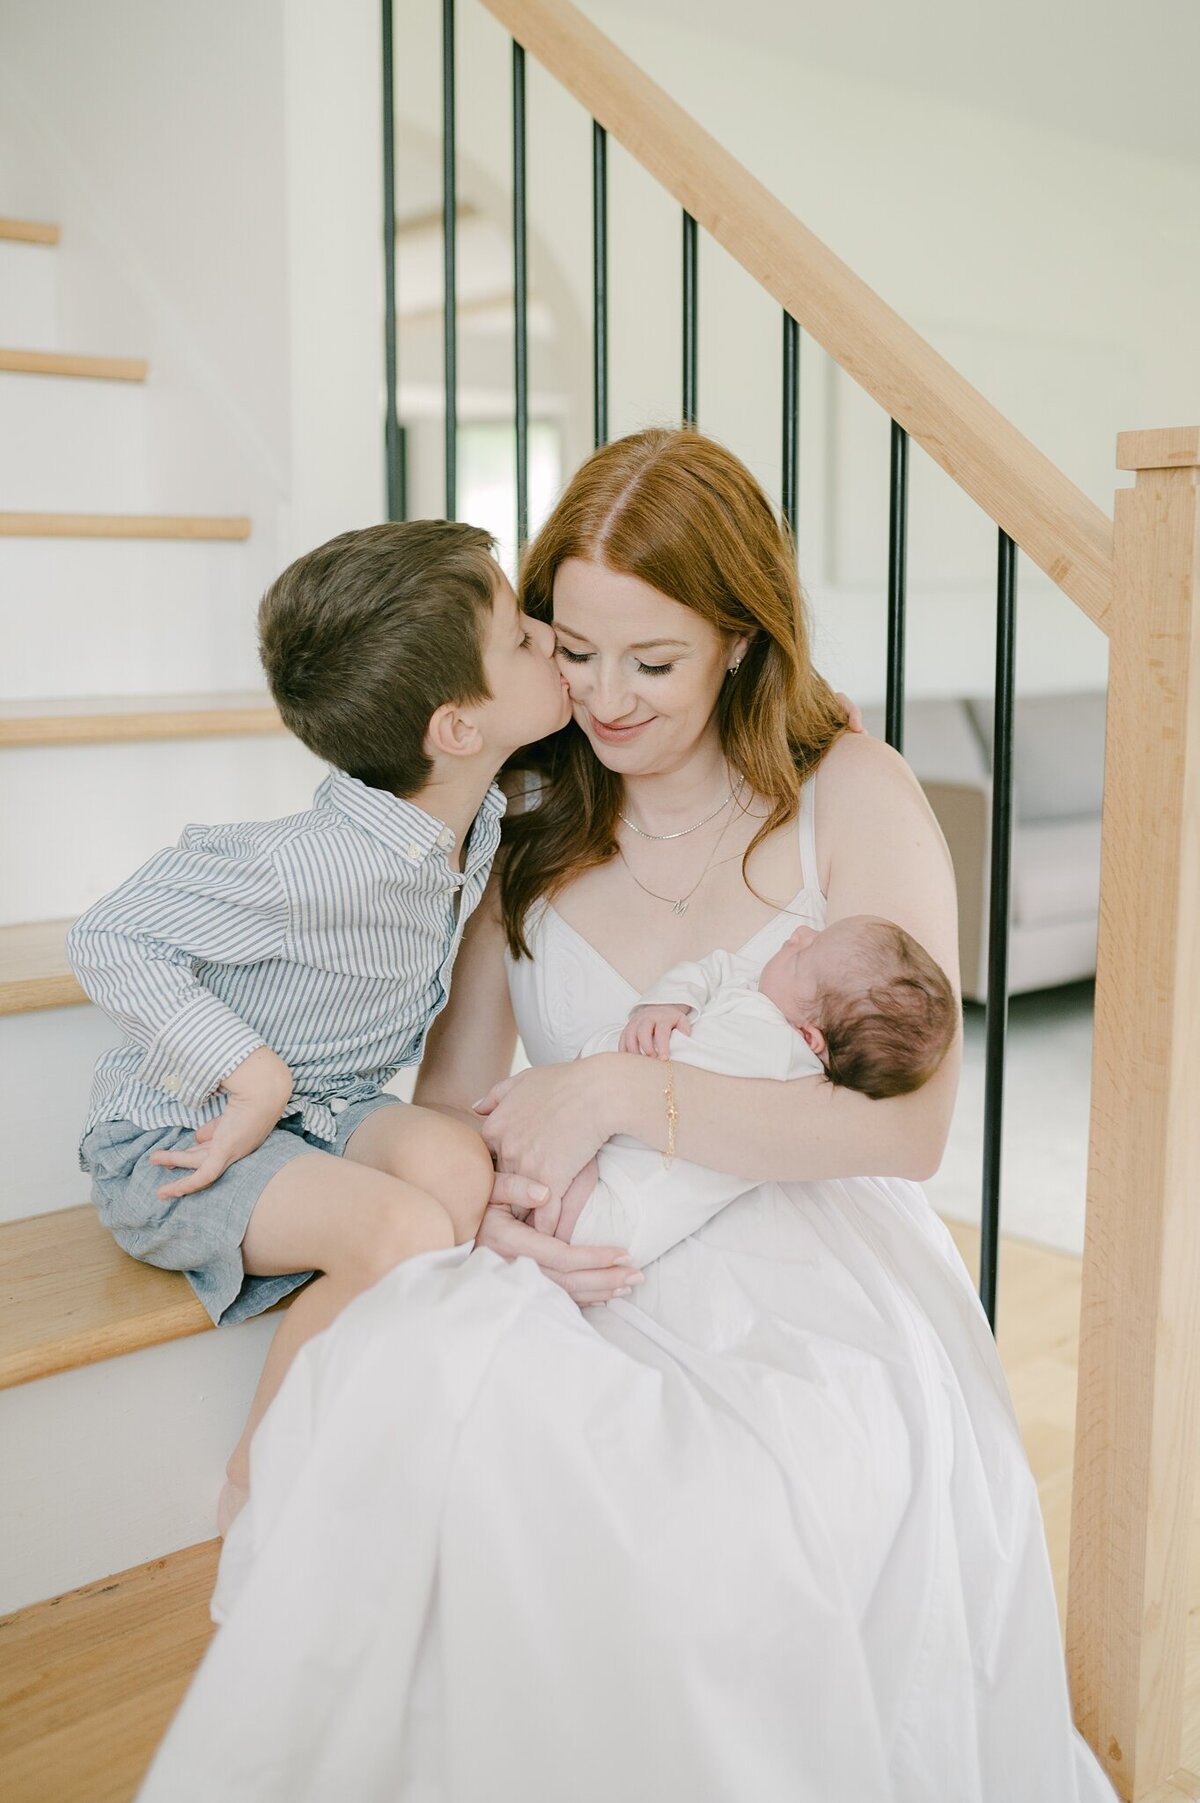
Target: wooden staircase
66 363
103 719
69 1296
28 231
118 525
69 1299
89 1680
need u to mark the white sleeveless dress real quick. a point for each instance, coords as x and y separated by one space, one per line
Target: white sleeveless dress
764 1535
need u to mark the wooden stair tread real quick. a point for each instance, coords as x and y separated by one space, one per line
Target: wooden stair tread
73 363
34 972
69 1296
122 525
90 1680
29 231
93 719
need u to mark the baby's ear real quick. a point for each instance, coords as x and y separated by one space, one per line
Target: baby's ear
815 1040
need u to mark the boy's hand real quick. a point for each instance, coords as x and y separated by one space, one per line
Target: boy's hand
258 1091
649 1029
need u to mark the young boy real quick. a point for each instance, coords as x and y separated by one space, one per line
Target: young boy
859 1001
271 977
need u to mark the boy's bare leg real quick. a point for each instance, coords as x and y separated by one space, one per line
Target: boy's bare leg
347 1220
436 1153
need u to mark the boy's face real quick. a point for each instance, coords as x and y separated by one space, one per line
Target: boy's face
529 694
811 963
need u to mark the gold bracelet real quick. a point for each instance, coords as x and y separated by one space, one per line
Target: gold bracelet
672 1116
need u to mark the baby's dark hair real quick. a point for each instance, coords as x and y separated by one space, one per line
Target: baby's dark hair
366 637
888 1036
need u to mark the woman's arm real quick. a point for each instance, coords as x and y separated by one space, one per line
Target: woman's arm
469 1048
470 1045
886 856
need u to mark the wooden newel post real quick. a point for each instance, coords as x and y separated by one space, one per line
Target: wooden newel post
1139 1352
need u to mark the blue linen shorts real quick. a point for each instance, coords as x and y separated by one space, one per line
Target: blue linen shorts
201 1234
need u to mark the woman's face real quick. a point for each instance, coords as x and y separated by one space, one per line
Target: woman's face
643 671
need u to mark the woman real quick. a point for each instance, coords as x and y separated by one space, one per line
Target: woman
762 1528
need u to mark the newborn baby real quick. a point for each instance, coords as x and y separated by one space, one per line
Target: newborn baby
859 1002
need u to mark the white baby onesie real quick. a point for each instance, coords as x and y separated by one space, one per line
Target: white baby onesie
639 1202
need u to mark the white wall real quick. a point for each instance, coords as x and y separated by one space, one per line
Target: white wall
232 156
151 133
1055 272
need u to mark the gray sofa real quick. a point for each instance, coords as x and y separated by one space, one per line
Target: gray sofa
1058 774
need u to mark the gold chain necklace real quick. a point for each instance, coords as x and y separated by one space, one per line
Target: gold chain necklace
661 838
679 904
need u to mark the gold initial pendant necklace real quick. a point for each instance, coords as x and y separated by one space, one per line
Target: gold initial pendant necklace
679 904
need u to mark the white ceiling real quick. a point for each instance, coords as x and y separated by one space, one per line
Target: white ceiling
1124 72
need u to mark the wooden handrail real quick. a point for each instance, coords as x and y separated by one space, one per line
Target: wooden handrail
1052 521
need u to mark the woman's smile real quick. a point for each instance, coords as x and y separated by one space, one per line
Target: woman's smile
615 733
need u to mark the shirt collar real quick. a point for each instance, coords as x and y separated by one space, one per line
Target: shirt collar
399 824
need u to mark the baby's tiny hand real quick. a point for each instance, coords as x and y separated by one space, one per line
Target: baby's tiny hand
649 1029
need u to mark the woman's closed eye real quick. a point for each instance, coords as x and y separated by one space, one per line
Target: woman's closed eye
585 657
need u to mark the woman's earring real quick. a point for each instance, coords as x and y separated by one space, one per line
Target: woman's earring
734 667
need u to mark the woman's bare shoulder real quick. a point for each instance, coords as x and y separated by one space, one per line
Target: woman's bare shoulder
879 845
858 768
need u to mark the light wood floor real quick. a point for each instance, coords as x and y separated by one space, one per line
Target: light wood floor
88 1683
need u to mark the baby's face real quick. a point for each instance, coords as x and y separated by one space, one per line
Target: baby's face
813 961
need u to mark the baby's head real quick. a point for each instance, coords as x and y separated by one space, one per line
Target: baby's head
872 1004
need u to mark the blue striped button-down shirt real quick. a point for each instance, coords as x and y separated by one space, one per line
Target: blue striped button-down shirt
329 937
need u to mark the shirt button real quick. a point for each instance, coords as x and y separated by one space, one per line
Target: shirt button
413 850
445 838
338 1105
172 1083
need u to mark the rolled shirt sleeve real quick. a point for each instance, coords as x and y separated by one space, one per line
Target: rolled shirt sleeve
137 952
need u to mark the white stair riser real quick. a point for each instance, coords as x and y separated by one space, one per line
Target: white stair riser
119 1462
72 446
123 616
46 1063
28 297
87 816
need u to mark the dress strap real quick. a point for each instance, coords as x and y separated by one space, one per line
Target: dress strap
807 823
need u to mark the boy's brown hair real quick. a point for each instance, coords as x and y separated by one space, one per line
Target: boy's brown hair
365 637
889 1038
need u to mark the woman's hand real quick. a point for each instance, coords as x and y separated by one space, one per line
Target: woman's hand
589 1274
545 1124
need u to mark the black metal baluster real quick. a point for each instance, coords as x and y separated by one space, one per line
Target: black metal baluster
449 235
600 282
691 238
393 455
897 587
791 422
402 484
520 301
996 1026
